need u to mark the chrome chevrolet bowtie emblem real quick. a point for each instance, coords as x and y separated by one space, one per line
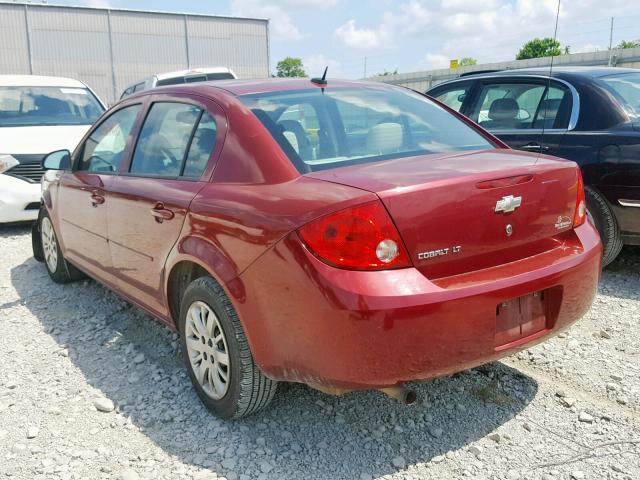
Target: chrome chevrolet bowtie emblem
508 204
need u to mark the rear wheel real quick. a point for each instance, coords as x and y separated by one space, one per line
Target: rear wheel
605 221
217 355
58 268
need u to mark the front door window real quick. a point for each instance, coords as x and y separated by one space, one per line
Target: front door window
104 149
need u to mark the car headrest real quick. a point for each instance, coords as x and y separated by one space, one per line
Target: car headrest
504 109
385 138
293 126
292 139
549 108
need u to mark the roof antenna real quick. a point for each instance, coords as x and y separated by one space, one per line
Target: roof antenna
323 80
545 95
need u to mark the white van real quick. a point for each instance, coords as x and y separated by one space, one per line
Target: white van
38 115
181 76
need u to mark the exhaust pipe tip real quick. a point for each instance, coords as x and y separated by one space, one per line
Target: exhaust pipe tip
400 393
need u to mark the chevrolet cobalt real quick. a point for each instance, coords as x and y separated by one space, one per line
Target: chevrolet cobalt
345 235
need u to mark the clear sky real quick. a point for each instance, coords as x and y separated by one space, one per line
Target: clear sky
411 35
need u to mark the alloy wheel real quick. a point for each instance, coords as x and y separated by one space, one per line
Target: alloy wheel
49 244
207 350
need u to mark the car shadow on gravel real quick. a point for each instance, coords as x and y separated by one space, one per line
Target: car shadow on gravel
303 434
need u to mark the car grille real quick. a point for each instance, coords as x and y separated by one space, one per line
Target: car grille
29 169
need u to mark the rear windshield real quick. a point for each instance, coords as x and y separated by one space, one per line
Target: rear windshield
626 86
342 126
35 106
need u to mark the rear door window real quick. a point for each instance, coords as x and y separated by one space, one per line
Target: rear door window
176 139
522 105
201 148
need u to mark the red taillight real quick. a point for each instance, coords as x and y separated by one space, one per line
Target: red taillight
580 213
357 238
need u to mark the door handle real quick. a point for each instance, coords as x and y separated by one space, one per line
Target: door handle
534 147
96 199
161 213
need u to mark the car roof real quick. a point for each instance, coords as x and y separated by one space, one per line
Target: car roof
556 71
182 73
39 81
246 87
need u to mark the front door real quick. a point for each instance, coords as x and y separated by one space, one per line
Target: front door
149 202
527 114
83 196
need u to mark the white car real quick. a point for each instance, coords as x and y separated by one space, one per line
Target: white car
38 115
179 77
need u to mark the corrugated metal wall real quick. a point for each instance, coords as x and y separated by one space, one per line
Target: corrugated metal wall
81 43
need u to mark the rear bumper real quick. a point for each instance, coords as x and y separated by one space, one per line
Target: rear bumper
15 196
312 323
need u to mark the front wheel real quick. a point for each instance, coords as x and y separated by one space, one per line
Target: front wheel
217 355
58 268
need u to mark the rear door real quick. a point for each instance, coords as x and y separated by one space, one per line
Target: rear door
172 160
83 194
528 114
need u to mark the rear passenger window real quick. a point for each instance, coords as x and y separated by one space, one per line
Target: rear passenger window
515 106
164 139
176 139
204 140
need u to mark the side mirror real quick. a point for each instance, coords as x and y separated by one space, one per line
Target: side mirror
58 160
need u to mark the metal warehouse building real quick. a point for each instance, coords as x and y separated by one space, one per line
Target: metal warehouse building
109 49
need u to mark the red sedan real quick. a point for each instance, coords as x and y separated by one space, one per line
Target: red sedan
346 235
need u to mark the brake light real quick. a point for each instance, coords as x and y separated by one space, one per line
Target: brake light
580 213
357 238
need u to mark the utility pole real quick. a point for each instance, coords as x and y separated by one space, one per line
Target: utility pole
365 68
611 42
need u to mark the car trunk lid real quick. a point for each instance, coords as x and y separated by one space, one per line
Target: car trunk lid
468 211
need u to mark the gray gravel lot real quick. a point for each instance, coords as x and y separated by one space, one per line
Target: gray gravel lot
91 387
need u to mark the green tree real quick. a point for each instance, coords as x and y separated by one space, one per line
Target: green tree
290 67
628 44
467 62
539 47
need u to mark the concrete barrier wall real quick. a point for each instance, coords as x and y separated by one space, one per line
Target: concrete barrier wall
422 81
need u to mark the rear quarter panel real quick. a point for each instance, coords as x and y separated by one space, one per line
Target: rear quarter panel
230 225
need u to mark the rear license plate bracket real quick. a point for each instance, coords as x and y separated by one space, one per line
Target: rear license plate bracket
520 317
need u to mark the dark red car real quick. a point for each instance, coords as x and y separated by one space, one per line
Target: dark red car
346 235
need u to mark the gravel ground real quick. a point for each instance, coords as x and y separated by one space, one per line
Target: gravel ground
91 387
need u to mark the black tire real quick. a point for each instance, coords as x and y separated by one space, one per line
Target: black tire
605 221
248 390
36 240
62 271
